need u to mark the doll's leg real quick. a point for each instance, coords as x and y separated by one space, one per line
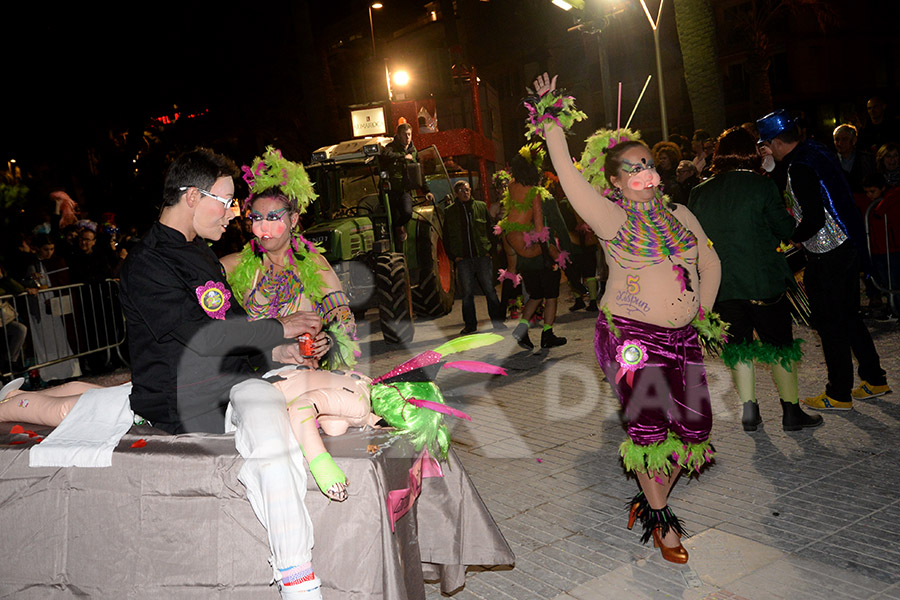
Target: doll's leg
38 408
73 388
302 414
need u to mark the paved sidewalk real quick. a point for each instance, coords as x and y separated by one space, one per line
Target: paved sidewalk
812 514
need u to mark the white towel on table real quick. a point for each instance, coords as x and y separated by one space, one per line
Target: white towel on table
89 433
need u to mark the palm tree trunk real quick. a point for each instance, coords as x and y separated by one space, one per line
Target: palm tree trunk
697 36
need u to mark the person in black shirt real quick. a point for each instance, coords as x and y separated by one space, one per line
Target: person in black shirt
190 346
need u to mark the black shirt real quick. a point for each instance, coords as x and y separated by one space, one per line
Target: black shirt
184 362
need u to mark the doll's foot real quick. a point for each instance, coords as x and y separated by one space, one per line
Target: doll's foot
338 492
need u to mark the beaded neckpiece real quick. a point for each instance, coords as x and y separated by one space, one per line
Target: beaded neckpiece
650 235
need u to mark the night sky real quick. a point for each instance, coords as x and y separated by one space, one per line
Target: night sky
74 73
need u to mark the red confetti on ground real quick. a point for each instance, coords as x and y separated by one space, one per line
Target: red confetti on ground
540 460
140 443
17 429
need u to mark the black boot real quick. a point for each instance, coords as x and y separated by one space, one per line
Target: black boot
579 304
794 419
521 335
592 307
751 418
551 340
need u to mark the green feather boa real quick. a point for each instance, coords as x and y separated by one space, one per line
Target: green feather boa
757 351
344 349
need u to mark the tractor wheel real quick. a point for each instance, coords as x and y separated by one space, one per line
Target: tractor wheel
433 297
394 298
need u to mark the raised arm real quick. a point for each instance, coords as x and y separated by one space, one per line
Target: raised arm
604 217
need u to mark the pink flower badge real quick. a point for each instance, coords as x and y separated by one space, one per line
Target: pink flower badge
631 355
214 299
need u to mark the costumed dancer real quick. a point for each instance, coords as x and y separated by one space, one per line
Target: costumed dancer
280 272
510 281
531 228
743 212
663 278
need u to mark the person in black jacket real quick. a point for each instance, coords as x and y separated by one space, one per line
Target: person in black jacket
190 344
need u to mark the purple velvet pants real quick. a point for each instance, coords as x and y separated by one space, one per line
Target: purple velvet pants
668 393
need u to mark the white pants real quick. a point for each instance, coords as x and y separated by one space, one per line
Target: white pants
273 470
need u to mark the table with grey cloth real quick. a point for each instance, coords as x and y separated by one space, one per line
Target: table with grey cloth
171 520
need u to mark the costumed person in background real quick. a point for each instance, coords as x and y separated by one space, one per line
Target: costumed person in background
534 238
663 280
744 214
510 281
834 238
582 271
280 272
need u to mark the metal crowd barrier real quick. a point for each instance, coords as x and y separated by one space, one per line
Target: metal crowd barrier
889 287
63 323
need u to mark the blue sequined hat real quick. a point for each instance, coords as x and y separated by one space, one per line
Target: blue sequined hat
773 124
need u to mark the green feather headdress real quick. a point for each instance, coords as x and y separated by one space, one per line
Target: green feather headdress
595 155
273 170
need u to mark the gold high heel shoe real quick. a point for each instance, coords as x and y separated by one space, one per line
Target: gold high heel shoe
676 554
657 523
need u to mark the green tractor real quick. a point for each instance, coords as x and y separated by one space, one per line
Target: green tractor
352 223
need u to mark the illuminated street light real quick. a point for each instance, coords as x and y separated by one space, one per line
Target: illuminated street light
376 6
562 4
401 78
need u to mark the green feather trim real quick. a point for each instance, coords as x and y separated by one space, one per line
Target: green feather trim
273 170
501 178
609 321
757 351
560 108
594 155
654 457
694 456
660 457
535 154
524 205
468 342
712 331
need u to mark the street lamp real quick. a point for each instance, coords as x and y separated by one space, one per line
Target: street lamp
376 6
654 25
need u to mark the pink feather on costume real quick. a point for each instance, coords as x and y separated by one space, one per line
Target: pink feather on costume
422 360
438 407
514 277
474 366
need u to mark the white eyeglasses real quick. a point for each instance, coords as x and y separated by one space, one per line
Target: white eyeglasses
228 202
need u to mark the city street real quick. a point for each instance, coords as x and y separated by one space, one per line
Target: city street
812 514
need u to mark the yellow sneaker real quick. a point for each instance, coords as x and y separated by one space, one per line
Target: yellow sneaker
825 402
866 390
